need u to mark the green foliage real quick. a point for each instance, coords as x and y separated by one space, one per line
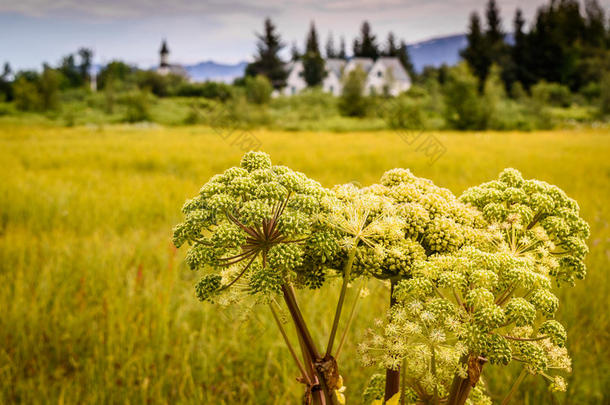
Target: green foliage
49 88
405 113
211 90
137 105
258 90
115 73
267 60
25 94
158 84
313 64
464 108
604 101
353 102
551 94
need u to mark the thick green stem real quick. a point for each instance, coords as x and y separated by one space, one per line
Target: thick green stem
347 269
392 377
349 323
513 389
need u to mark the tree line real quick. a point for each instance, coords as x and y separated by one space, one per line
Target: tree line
565 43
269 63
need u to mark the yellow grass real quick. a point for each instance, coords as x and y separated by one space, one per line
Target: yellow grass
97 306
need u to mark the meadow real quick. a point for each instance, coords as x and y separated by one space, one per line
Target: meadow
97 306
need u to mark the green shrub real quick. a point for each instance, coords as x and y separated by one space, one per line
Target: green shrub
258 89
552 94
353 102
137 103
404 113
464 108
604 95
26 96
211 90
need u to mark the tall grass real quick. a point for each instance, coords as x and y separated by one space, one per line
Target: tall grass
98 307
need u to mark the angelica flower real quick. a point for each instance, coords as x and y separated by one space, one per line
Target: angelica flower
261 222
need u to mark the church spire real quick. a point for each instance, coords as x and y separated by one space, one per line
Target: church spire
164 53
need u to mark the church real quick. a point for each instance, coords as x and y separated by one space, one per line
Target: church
165 67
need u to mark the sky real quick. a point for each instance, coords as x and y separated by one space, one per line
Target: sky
37 31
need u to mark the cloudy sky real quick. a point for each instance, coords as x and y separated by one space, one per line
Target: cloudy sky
34 31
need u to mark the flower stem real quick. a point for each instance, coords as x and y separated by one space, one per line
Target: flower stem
392 377
513 389
290 348
347 269
349 323
308 343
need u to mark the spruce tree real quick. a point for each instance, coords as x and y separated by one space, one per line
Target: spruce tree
267 61
391 49
342 51
366 46
313 64
405 59
476 53
330 47
294 53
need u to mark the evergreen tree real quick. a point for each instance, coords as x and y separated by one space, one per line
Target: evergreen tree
294 52
313 64
405 59
476 53
519 52
6 90
71 71
330 47
494 33
366 46
595 30
342 51
267 60
391 49
86 61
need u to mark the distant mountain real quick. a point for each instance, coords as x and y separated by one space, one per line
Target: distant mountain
213 71
437 51
432 52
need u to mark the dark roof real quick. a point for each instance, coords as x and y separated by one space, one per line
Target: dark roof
164 48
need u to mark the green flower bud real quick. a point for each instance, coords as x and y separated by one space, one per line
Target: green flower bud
521 312
555 331
255 160
208 286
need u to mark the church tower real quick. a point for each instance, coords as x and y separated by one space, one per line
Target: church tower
164 53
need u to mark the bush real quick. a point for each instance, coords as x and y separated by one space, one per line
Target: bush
552 94
211 90
138 106
26 96
258 89
353 102
159 85
604 95
49 89
404 113
464 108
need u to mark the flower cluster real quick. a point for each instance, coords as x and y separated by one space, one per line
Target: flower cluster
256 227
531 216
400 221
493 302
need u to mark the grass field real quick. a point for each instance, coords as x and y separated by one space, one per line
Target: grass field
96 306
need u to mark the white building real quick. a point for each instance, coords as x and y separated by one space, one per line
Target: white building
384 76
165 67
